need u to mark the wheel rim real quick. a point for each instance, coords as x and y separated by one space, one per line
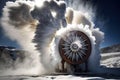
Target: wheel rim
75 47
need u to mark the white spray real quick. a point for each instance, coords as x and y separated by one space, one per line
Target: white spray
23 32
35 28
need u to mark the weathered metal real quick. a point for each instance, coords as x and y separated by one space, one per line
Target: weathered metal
75 47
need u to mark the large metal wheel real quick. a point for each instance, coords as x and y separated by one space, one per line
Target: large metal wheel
75 47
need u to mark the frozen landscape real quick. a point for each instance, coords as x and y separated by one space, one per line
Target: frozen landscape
52 33
111 60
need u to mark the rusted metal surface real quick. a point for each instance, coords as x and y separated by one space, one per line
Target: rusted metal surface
75 47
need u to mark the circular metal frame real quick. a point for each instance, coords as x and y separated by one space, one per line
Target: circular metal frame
75 47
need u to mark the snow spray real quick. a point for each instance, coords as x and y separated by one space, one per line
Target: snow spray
38 25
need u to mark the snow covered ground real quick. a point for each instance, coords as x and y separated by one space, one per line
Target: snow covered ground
62 77
111 60
59 77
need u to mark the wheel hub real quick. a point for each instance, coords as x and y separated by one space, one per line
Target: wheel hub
75 46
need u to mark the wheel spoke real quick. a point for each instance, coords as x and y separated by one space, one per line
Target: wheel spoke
67 52
82 52
85 45
70 55
83 41
66 41
73 57
67 45
66 48
80 55
77 57
83 48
